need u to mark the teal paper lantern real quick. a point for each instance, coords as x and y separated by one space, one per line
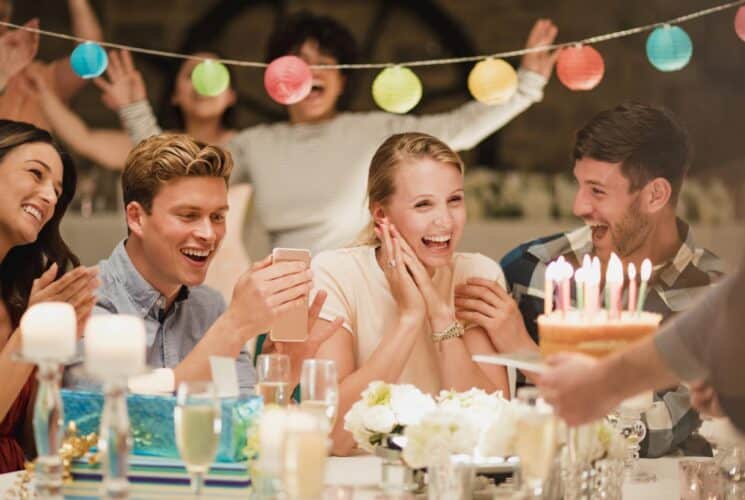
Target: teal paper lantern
89 60
669 48
210 78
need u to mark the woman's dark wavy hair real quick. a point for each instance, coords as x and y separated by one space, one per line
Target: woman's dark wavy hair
24 263
292 31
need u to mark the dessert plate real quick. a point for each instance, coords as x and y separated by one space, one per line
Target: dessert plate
529 361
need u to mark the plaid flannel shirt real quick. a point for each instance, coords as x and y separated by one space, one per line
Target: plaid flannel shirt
673 288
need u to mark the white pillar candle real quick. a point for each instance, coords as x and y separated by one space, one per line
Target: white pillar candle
48 331
115 346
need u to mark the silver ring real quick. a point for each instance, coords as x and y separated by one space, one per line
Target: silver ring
392 263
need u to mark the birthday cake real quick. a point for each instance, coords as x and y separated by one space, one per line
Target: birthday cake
597 335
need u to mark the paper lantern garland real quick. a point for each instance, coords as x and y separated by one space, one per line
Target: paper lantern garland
669 48
210 78
288 80
89 60
580 67
492 81
397 89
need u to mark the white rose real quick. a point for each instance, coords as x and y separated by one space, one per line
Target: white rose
379 419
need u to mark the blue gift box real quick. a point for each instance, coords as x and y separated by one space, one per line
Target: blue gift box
151 421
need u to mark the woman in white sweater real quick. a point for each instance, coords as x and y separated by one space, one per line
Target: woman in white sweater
308 173
395 290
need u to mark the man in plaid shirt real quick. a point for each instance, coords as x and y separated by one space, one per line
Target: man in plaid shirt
629 163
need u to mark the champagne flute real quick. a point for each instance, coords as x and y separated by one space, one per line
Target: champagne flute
319 390
273 384
198 425
536 441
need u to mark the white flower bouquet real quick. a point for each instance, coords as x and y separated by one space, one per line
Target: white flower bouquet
385 409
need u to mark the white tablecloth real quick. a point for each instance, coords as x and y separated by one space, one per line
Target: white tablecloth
363 474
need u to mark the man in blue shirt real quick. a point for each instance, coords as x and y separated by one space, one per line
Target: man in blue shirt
175 196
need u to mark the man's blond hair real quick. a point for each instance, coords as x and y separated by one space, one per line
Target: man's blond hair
164 157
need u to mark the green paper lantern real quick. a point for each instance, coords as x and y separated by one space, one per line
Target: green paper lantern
397 89
210 78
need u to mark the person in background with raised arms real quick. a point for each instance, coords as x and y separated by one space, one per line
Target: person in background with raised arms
16 103
395 289
297 166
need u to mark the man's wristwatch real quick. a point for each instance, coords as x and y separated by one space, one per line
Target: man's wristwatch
454 330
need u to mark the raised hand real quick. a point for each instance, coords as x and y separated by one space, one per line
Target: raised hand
486 304
409 298
542 34
267 290
125 84
17 49
75 287
704 399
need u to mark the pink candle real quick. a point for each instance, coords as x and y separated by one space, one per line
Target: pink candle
614 282
632 287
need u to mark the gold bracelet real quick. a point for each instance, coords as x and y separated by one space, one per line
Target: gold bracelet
454 330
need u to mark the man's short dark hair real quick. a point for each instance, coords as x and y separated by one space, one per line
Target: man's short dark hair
647 140
333 38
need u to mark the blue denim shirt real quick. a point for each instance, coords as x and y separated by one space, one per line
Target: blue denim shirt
171 335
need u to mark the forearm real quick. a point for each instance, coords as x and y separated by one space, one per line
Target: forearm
386 364
459 372
139 121
224 338
15 374
108 148
84 21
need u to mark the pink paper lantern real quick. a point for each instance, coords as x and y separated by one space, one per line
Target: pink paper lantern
740 23
288 80
580 67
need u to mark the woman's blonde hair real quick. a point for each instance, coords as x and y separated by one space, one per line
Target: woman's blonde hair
395 151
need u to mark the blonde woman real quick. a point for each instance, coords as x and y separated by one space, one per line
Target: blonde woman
395 290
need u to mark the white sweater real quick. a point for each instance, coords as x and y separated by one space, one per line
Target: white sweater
310 180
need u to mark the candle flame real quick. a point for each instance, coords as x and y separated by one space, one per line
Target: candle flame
646 271
632 271
594 275
614 273
580 275
586 261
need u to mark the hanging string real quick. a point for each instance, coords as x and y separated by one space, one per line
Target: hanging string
427 62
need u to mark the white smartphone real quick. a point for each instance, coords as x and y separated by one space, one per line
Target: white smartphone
292 325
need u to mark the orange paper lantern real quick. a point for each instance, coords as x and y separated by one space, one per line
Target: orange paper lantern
288 80
580 67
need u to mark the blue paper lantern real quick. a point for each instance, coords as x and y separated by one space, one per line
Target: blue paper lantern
89 60
669 48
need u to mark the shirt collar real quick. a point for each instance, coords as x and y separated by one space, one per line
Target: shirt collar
143 294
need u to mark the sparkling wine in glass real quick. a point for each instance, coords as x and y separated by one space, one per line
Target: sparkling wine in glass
319 390
536 441
273 373
198 425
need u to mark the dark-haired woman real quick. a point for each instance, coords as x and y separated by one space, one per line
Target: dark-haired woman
37 183
309 173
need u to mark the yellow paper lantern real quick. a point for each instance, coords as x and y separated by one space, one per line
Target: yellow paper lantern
492 81
397 89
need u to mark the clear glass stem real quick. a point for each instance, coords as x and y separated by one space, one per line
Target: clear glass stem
197 482
632 428
114 441
48 423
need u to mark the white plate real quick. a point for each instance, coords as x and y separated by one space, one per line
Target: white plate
529 361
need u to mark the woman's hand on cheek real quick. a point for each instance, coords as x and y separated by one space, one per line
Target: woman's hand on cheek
440 314
408 297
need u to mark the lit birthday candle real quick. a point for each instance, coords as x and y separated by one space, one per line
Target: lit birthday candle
564 277
632 286
613 286
548 289
579 285
592 295
645 274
